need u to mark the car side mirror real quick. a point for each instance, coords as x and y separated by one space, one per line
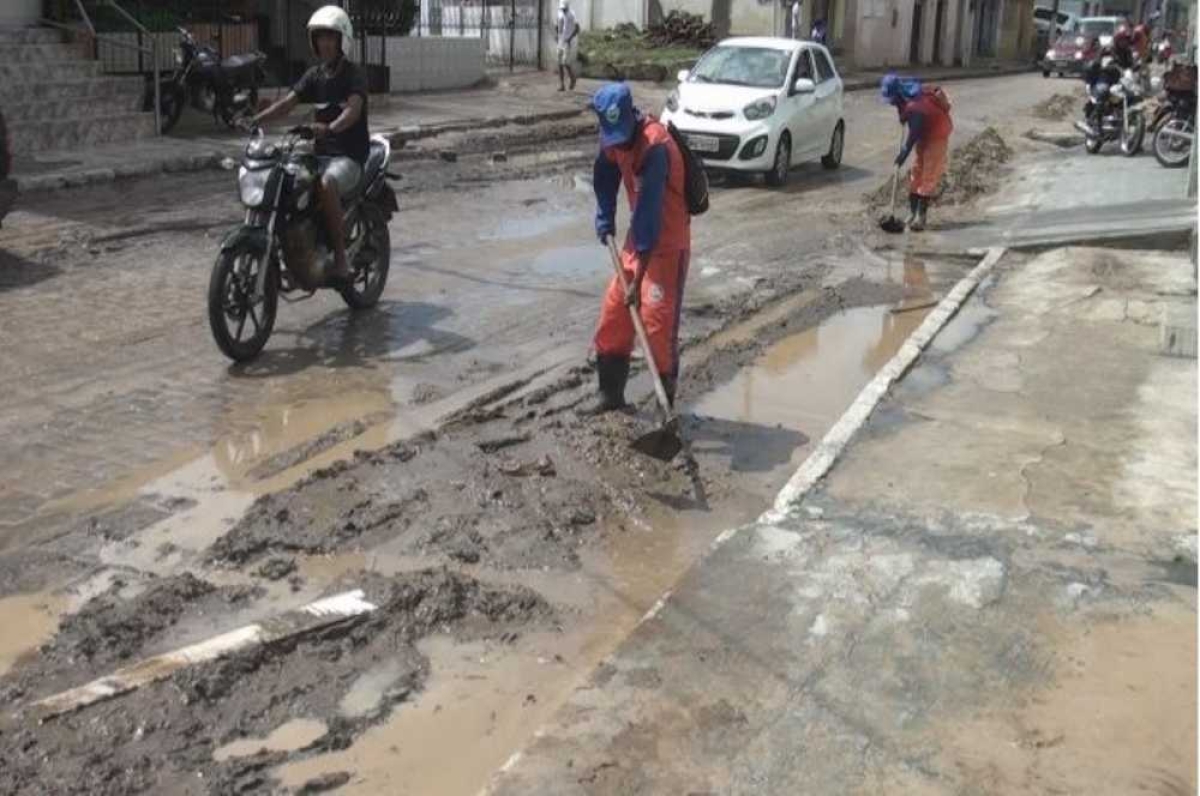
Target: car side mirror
803 86
683 75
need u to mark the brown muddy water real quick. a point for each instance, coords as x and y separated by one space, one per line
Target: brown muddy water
485 697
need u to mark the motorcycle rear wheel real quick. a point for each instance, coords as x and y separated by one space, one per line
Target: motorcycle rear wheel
1133 136
1171 152
231 116
171 100
232 306
371 265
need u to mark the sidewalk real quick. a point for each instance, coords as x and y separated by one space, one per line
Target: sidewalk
523 98
992 592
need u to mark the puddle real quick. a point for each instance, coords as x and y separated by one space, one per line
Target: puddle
29 621
290 737
570 261
369 690
803 383
531 227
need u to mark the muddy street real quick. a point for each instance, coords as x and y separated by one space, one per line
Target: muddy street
427 453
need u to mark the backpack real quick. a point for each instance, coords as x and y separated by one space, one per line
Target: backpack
695 179
938 96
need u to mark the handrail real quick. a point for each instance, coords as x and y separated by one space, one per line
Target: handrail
152 51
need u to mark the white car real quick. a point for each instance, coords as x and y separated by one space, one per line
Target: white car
761 105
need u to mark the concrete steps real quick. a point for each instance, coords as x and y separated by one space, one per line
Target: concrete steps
56 98
40 135
14 72
30 36
124 92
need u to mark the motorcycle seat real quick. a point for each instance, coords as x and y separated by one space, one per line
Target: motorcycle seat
235 62
371 169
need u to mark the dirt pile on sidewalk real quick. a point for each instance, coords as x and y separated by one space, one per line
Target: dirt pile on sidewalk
1057 107
163 737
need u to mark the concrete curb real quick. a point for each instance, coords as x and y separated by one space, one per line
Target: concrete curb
866 84
819 462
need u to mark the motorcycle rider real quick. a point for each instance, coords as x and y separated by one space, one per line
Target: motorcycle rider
1105 71
338 88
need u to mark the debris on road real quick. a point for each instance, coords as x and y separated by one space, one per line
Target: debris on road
1064 139
1057 107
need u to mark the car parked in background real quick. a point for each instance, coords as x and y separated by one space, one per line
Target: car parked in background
8 186
761 105
1069 55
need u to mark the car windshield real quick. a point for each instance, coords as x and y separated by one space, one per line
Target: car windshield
1096 27
758 67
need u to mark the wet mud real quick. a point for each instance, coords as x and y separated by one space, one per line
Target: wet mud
975 170
165 736
1058 107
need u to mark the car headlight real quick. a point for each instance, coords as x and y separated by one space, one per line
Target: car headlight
1078 56
1050 55
760 109
252 185
673 100
1079 41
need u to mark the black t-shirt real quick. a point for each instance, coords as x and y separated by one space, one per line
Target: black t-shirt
330 90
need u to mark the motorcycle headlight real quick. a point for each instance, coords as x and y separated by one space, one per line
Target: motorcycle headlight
759 109
1078 56
252 185
178 57
1156 84
1079 41
673 100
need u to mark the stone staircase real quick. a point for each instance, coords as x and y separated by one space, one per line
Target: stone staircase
54 97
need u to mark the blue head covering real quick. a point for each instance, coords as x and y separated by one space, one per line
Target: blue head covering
896 89
613 104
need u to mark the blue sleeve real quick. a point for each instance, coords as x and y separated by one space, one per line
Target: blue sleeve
916 130
606 181
647 216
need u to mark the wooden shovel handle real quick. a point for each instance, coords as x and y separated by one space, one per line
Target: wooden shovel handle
659 390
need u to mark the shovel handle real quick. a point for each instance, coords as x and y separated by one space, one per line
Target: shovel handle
659 390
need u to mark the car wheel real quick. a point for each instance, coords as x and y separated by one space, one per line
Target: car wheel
1045 73
778 175
836 144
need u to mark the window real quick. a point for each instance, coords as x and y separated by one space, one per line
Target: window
825 70
804 69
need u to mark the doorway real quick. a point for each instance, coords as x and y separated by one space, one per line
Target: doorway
914 44
939 16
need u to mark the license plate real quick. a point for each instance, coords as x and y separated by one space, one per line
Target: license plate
704 143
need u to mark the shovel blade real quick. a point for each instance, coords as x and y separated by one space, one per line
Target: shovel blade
891 224
663 444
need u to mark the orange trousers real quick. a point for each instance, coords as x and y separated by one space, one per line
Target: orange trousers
928 167
661 308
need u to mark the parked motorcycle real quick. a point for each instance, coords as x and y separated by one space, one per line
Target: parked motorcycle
283 248
1163 51
228 89
1174 124
1115 112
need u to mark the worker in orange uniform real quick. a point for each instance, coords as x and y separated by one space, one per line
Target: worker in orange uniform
926 112
637 151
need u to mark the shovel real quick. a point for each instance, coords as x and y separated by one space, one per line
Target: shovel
890 223
664 443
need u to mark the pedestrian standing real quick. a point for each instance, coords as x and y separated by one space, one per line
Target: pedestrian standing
796 6
567 38
926 112
639 152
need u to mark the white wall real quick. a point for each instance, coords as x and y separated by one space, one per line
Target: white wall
427 64
20 12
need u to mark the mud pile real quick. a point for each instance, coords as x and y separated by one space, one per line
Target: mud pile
974 170
162 738
1057 107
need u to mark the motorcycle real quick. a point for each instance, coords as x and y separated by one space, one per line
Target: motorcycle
282 248
228 89
1163 51
1114 112
1174 124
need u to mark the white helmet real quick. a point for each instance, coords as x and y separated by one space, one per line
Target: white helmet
331 18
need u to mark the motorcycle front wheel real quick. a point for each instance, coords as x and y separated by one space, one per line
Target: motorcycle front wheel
1133 135
1173 144
1093 145
241 321
371 264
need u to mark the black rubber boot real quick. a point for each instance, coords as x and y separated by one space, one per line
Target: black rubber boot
611 375
914 205
918 224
